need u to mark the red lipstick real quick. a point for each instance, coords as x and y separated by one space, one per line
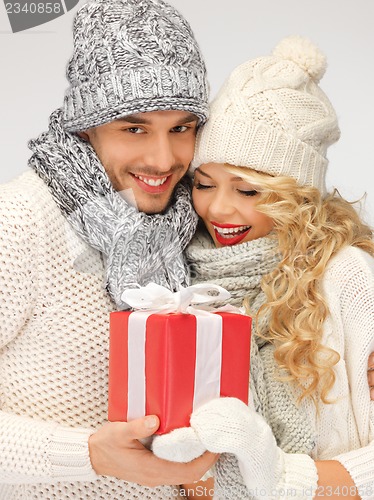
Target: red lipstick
225 226
230 239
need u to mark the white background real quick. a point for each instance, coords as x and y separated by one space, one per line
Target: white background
229 32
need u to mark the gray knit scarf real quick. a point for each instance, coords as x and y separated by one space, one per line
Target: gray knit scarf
240 269
138 248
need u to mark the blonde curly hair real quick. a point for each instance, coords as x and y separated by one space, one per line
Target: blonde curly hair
310 231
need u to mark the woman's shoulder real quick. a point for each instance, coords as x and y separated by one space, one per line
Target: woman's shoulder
350 268
351 258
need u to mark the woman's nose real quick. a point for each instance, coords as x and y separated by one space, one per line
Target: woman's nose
221 205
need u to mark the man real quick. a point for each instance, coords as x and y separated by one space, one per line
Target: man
72 239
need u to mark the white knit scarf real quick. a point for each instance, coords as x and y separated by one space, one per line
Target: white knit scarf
138 248
240 269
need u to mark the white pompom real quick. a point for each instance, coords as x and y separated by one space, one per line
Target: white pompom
303 53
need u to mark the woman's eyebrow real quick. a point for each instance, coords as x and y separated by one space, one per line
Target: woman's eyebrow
232 179
202 172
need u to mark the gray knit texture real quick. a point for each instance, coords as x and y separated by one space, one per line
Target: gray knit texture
240 269
137 248
132 56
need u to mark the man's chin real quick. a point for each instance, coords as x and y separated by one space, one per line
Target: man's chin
155 205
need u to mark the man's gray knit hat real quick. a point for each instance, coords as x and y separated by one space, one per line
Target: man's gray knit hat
132 56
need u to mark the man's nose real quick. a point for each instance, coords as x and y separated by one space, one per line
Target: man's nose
161 154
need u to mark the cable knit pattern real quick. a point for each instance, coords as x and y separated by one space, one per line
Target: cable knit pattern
271 114
132 56
54 314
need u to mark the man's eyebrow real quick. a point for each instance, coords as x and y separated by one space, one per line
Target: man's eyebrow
188 119
133 119
139 119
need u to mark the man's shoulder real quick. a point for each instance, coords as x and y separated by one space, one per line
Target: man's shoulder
24 187
24 198
25 192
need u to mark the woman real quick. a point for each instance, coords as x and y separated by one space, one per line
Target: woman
303 261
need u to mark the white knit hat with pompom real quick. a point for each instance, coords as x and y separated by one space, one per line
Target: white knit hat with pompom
272 116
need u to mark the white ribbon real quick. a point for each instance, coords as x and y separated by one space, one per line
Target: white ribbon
195 300
207 384
136 364
155 297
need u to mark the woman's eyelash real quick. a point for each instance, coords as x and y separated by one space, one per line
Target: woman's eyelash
248 193
252 192
198 185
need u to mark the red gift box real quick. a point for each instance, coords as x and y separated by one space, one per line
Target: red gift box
169 364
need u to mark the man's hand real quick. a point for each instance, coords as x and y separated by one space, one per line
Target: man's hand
201 489
115 451
371 375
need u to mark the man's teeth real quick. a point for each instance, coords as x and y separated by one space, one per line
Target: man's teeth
232 231
152 182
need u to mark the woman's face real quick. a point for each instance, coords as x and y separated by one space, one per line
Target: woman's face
227 205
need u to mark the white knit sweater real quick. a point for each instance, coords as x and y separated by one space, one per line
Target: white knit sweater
348 287
54 316
348 424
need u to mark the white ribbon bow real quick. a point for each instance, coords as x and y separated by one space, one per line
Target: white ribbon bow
194 300
153 297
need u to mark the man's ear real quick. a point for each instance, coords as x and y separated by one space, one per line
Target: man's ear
84 136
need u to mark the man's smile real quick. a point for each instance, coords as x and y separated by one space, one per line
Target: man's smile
152 184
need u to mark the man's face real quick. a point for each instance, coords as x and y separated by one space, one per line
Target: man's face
147 153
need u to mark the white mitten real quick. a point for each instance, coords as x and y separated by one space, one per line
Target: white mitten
228 425
180 445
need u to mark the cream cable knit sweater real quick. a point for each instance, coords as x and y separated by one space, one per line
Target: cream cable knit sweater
54 317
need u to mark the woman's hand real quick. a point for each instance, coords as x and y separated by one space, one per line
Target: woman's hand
227 425
371 375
